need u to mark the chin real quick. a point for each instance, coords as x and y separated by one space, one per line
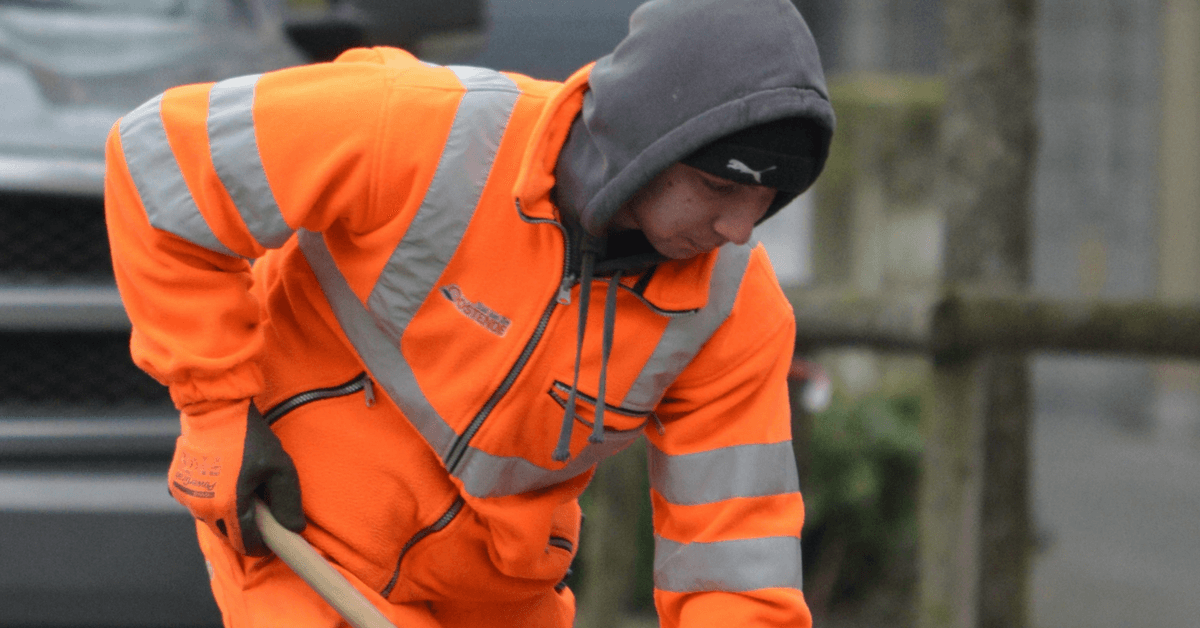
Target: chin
683 254
677 248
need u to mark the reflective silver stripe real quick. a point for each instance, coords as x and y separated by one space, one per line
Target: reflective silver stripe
436 230
685 335
483 79
742 565
380 355
238 163
418 262
726 473
488 475
423 253
159 180
483 474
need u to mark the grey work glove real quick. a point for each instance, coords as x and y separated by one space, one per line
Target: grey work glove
226 457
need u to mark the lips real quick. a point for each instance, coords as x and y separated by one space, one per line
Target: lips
704 248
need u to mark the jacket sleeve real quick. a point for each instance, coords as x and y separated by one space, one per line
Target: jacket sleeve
724 486
204 178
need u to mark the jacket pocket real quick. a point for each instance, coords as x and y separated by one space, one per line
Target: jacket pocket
622 423
433 528
564 528
367 482
463 560
361 382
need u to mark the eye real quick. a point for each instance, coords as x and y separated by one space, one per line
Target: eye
719 185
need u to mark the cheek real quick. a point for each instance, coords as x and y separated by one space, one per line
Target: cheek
682 213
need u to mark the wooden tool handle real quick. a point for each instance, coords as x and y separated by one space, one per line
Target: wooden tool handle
319 574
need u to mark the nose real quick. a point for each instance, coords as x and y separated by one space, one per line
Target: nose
734 227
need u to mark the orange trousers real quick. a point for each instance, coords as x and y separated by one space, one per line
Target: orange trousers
266 593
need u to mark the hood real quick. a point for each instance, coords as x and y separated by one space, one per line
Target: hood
689 72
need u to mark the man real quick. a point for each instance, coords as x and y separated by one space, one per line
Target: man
411 371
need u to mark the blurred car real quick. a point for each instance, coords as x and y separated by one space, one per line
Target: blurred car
88 534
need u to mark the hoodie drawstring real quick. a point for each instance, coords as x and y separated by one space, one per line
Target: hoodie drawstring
610 318
562 450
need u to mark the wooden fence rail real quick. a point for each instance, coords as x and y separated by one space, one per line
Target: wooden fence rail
974 542
960 322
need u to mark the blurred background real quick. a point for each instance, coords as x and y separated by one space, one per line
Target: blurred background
89 537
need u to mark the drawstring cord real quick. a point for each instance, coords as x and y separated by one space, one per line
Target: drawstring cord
610 318
562 451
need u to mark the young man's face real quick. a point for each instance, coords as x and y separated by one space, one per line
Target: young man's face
685 211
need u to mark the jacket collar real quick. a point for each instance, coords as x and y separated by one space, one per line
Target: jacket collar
536 177
677 285
681 285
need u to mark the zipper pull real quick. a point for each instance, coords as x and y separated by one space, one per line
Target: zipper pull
369 391
564 290
662 431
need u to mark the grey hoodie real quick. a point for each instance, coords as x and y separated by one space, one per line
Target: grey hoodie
689 72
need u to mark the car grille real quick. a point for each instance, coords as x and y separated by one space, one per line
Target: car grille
73 368
53 238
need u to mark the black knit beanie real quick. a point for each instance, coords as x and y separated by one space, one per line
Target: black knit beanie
785 154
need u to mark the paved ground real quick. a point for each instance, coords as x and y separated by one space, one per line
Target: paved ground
1122 512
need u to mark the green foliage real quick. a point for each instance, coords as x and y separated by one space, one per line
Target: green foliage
860 494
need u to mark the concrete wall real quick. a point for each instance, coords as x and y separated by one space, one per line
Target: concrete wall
1177 402
1095 198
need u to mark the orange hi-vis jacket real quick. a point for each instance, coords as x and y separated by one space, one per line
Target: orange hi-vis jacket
408 329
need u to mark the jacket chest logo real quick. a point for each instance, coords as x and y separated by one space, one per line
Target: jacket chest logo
476 311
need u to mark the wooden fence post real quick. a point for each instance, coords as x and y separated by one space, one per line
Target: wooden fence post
949 507
609 545
974 539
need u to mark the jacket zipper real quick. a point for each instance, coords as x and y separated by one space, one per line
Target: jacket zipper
436 526
362 382
658 310
562 388
652 415
564 289
460 444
